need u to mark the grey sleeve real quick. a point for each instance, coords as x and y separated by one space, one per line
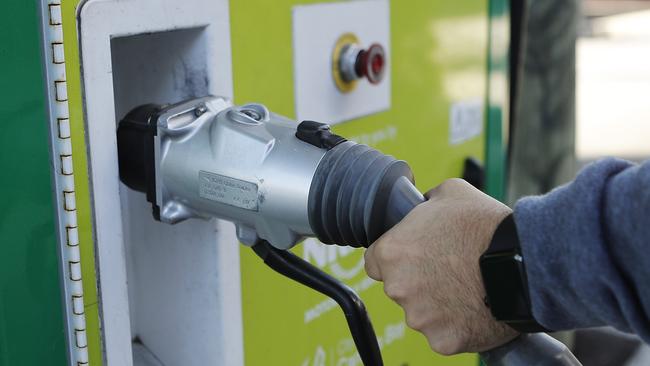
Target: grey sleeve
587 249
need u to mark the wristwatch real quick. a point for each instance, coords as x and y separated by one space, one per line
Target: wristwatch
504 279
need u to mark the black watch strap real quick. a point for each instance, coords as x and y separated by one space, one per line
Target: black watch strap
504 279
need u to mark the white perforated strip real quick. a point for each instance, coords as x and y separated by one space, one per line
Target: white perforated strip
54 56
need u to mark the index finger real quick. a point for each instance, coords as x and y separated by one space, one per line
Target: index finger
371 265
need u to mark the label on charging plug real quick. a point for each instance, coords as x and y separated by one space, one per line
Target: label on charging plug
231 191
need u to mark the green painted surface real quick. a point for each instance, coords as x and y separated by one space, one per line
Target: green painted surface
439 57
498 98
31 315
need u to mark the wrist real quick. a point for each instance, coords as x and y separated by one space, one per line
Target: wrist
505 282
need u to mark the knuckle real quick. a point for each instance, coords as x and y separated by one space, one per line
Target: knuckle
385 252
395 291
455 184
372 271
455 181
446 346
368 257
446 187
366 265
416 322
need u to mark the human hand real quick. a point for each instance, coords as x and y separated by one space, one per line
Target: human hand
429 264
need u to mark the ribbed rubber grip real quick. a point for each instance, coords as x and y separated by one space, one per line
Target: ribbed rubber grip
351 191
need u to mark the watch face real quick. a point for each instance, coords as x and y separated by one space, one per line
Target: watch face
504 280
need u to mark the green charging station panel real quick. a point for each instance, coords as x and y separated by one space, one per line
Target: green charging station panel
439 53
448 60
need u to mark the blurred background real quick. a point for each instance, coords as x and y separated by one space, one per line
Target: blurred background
582 92
613 80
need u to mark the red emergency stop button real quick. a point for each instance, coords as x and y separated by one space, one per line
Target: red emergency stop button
351 62
371 63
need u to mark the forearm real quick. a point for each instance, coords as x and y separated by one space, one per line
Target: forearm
586 249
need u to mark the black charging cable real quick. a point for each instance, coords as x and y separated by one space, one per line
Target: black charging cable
301 271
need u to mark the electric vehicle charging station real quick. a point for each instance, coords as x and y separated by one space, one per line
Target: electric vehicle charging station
170 52
431 90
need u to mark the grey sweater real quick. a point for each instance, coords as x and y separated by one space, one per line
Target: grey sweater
587 249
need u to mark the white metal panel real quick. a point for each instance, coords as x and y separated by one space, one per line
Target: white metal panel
316 28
